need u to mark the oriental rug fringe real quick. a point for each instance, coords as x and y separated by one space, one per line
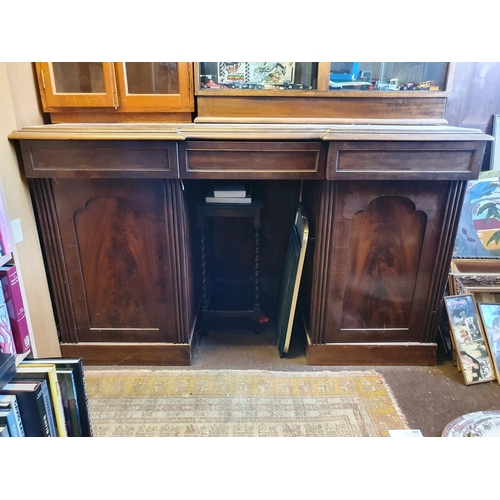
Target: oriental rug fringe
234 403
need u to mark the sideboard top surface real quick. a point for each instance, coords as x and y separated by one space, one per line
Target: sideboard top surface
252 131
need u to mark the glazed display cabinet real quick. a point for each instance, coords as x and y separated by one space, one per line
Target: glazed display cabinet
292 91
110 92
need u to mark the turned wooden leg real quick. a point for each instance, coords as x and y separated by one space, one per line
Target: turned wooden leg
204 286
256 305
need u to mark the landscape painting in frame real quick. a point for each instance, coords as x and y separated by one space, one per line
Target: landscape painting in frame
470 343
490 316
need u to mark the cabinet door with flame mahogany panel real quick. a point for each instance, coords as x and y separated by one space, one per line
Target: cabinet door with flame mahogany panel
382 250
118 238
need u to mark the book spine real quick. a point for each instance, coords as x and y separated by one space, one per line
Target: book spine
15 307
230 194
43 410
4 230
49 410
17 414
7 418
11 401
7 345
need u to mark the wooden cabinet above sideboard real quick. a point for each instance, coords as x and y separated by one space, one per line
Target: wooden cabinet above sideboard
111 92
94 92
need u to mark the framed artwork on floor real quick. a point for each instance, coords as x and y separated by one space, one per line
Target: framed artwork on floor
490 318
469 339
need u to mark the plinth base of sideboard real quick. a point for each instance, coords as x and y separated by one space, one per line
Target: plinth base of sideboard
128 354
381 354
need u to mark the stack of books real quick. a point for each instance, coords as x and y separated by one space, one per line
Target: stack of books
229 193
45 398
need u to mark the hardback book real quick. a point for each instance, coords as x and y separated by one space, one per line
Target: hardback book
7 345
70 401
8 418
7 368
34 403
4 230
76 365
15 307
230 190
10 401
46 372
210 198
4 431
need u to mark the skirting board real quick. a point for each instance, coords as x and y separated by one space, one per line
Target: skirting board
390 354
129 354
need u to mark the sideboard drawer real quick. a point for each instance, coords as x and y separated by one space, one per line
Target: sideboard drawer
252 160
87 159
404 160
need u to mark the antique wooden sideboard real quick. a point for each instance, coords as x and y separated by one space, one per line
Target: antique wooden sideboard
115 209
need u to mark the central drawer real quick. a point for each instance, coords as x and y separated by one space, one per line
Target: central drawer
252 160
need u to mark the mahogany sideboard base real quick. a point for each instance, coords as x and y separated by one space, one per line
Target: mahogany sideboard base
116 209
129 354
390 354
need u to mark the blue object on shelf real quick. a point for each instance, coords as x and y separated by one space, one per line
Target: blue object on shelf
344 71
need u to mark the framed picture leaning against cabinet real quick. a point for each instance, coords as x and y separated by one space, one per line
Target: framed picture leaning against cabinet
469 340
490 318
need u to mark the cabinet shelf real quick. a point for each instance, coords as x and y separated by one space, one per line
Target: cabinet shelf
5 258
377 94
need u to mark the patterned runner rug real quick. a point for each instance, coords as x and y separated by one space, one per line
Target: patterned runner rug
232 403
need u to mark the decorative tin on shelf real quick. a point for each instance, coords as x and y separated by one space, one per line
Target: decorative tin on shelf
233 72
264 73
273 73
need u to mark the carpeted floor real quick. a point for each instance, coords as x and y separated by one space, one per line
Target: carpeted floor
429 396
241 403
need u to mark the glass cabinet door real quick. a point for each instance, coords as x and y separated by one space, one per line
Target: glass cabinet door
313 78
77 84
155 86
259 76
388 76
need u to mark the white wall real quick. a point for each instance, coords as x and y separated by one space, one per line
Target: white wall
19 107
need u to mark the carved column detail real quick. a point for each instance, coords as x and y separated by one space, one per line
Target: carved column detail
43 197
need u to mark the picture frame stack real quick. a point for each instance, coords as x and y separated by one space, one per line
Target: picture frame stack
479 277
473 301
477 351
